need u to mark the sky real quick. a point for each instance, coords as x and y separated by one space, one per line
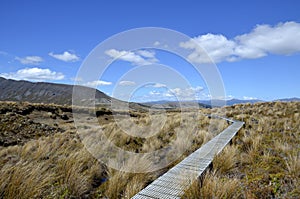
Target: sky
255 45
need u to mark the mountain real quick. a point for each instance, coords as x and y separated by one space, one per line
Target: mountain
230 102
208 104
239 101
294 99
42 92
201 103
175 104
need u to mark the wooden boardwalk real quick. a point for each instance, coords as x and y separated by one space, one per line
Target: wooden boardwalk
173 183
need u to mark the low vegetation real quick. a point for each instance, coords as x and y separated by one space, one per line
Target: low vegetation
42 156
264 159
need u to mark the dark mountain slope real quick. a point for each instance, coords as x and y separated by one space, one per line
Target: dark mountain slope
42 92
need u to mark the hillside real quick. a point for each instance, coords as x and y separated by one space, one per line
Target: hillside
42 92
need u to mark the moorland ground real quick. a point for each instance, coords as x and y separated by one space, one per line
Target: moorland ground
42 155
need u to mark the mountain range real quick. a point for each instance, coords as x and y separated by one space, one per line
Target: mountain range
43 92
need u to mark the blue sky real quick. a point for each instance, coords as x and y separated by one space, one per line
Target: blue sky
255 44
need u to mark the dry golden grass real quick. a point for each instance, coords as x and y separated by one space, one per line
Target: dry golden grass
268 149
214 186
58 165
226 161
262 162
55 166
220 182
124 184
293 165
173 131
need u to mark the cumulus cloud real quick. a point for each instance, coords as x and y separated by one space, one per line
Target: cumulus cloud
66 56
249 98
34 74
3 53
190 93
97 83
137 58
76 79
157 93
173 94
126 83
157 85
146 53
156 43
281 39
30 60
218 47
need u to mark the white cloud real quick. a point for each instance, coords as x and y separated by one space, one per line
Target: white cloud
157 43
97 83
174 94
155 93
156 85
66 56
126 83
3 53
282 39
30 60
34 74
76 79
146 53
218 48
191 93
249 98
138 58
226 97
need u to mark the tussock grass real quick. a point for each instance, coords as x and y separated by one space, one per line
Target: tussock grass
262 162
124 185
56 166
293 165
226 161
214 186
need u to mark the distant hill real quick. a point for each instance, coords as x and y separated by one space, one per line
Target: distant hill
42 92
294 99
208 104
230 102
174 104
202 103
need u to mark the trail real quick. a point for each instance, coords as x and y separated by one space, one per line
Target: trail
174 182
